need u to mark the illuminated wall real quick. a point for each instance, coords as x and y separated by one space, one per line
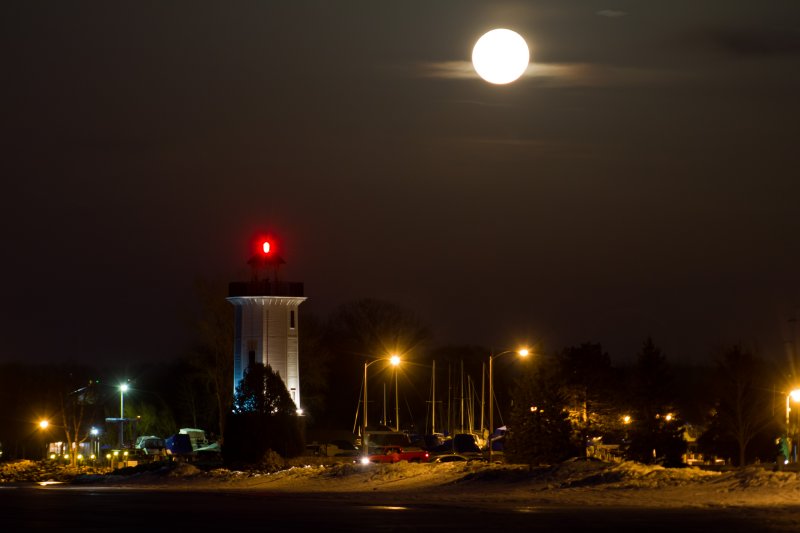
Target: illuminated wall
266 331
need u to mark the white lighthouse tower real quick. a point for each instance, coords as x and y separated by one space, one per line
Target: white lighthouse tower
266 320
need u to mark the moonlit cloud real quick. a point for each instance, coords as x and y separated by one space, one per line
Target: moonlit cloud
465 70
447 69
610 13
559 74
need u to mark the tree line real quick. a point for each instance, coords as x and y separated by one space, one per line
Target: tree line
554 405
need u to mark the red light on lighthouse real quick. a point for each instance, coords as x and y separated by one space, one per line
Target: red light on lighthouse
265 249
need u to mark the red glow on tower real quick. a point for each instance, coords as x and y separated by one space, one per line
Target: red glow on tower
265 249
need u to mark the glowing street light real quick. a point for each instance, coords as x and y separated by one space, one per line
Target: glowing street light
43 425
522 353
793 395
394 360
123 388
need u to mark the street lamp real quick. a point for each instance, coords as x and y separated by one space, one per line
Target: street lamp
394 360
522 353
94 432
43 425
123 388
793 395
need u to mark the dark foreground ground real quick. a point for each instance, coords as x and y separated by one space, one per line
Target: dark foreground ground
29 507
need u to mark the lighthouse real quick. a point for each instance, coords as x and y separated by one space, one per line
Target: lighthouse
266 319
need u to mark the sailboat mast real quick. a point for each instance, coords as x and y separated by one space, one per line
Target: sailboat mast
483 408
449 399
461 398
433 398
470 405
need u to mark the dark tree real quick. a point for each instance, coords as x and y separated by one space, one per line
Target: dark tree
716 441
743 409
64 395
540 430
262 391
264 419
77 405
585 372
315 369
212 354
656 430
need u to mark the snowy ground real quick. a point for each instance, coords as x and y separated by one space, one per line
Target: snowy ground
574 482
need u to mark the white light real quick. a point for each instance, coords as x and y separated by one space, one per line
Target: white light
123 387
365 460
500 56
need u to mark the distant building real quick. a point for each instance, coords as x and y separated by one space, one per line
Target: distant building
266 322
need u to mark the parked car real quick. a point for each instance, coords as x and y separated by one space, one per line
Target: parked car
340 448
151 446
196 436
464 443
314 450
395 454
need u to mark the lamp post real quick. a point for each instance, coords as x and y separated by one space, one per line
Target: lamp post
522 353
793 395
43 425
123 388
395 360
95 433
396 397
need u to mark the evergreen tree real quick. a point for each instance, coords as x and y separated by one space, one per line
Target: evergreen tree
262 391
263 421
540 431
585 372
656 433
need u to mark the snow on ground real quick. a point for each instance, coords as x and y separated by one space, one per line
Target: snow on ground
573 482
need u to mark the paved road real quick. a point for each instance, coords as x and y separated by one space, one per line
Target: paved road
31 508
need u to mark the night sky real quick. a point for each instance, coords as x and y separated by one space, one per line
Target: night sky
639 180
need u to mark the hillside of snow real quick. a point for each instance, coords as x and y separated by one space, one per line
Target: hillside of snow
574 482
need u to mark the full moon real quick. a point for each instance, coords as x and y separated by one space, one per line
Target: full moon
500 56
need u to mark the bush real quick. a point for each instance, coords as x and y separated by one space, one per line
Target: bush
250 437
